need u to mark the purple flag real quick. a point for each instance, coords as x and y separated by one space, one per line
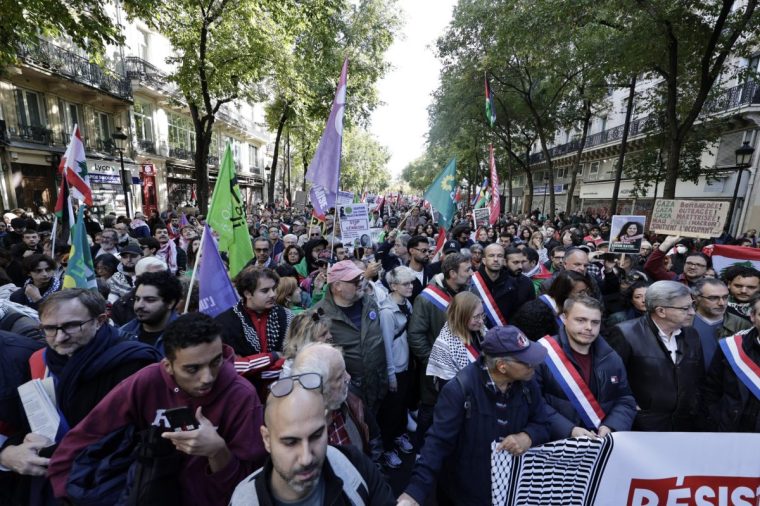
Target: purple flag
183 220
216 293
324 169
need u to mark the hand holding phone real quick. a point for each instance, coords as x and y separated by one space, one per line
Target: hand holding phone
181 419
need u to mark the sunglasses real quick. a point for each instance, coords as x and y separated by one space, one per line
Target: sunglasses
317 315
308 380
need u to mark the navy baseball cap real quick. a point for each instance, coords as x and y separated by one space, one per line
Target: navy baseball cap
451 247
509 341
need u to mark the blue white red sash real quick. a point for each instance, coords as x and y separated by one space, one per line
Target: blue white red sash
568 377
545 299
438 297
746 370
489 303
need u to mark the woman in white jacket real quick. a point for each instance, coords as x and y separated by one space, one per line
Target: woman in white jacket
395 311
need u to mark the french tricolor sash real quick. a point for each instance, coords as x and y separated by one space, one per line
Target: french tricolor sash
746 370
438 297
545 299
572 384
489 304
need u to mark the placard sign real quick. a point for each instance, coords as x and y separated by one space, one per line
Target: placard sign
626 233
482 216
354 225
690 218
344 197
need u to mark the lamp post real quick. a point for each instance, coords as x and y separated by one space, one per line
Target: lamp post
546 190
120 139
743 161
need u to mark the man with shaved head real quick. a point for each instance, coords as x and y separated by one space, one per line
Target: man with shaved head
302 468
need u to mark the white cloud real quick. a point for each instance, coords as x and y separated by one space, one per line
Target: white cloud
402 122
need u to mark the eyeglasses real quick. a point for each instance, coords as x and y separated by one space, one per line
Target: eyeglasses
682 308
714 298
424 251
480 316
317 234
356 282
317 315
261 250
308 380
692 264
67 328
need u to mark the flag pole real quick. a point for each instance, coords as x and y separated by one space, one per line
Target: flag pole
195 270
52 236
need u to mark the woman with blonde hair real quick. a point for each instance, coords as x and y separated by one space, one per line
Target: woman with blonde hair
308 327
289 294
458 344
537 243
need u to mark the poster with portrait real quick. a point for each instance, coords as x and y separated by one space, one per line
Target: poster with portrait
354 225
626 233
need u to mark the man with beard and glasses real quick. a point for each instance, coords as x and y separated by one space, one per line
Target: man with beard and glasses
123 279
355 326
256 327
501 285
302 468
420 252
156 295
208 459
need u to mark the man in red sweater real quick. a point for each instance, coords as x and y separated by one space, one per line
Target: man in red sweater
198 372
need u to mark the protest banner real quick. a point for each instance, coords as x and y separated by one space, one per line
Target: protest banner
354 225
482 215
632 469
626 233
689 218
344 198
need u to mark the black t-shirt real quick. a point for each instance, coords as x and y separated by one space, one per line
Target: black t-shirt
354 313
149 337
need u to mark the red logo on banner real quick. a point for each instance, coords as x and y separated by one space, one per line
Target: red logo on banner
695 490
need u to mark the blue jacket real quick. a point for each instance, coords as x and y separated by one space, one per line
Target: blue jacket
130 331
457 447
609 384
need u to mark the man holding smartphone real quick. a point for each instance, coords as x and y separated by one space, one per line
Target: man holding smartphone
198 373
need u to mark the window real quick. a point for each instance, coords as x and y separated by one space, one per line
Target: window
71 114
142 44
253 156
753 63
31 109
103 131
213 149
593 170
561 173
143 122
181 133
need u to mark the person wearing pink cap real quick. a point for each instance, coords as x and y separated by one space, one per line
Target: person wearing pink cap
355 326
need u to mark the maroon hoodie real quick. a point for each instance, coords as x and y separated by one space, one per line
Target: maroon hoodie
232 406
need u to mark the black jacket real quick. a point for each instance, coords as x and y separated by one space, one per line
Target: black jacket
668 394
509 291
729 405
255 490
609 384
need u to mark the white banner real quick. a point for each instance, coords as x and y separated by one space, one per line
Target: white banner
633 469
344 198
354 225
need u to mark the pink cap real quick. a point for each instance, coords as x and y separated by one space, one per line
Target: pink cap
345 270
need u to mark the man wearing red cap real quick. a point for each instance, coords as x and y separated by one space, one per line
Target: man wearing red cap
355 327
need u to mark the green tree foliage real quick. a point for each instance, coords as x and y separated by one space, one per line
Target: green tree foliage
86 23
364 163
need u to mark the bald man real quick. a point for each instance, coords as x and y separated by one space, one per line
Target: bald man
301 466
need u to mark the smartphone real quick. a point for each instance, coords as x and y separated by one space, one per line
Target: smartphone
181 419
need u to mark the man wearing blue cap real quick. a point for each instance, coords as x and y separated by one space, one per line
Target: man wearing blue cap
494 399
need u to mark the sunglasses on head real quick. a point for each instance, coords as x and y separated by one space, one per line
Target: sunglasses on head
308 380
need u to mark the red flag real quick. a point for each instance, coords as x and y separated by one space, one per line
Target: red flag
439 243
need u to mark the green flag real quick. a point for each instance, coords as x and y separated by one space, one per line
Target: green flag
227 216
441 193
80 272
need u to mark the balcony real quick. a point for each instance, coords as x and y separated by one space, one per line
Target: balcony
46 56
146 146
33 134
738 96
149 75
181 154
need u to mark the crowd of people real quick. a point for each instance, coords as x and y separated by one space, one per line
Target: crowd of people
341 362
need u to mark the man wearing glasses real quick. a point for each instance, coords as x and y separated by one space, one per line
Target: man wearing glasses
84 358
219 439
302 467
420 252
712 319
694 268
662 354
261 251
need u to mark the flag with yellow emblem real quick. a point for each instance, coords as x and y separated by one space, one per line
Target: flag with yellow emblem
441 194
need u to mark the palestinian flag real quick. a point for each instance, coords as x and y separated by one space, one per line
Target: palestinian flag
724 257
490 110
63 210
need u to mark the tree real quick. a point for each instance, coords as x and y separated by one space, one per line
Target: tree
304 90
87 23
364 163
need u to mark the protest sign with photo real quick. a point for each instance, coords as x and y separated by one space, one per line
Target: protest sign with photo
690 218
482 216
626 233
354 225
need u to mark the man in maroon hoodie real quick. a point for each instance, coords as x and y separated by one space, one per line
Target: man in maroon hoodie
198 372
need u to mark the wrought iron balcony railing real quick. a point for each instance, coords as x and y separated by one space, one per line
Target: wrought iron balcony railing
46 55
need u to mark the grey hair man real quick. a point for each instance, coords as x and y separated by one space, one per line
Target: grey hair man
663 356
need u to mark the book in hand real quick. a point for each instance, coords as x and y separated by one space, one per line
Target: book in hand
39 406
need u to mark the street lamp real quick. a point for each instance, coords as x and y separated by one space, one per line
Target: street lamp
546 190
120 139
743 161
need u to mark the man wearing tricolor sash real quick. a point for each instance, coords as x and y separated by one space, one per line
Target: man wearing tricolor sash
583 380
429 317
500 284
732 391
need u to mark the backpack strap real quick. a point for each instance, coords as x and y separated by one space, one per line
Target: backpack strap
37 364
353 481
464 385
10 320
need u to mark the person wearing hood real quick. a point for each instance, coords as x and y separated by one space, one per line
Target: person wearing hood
198 372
